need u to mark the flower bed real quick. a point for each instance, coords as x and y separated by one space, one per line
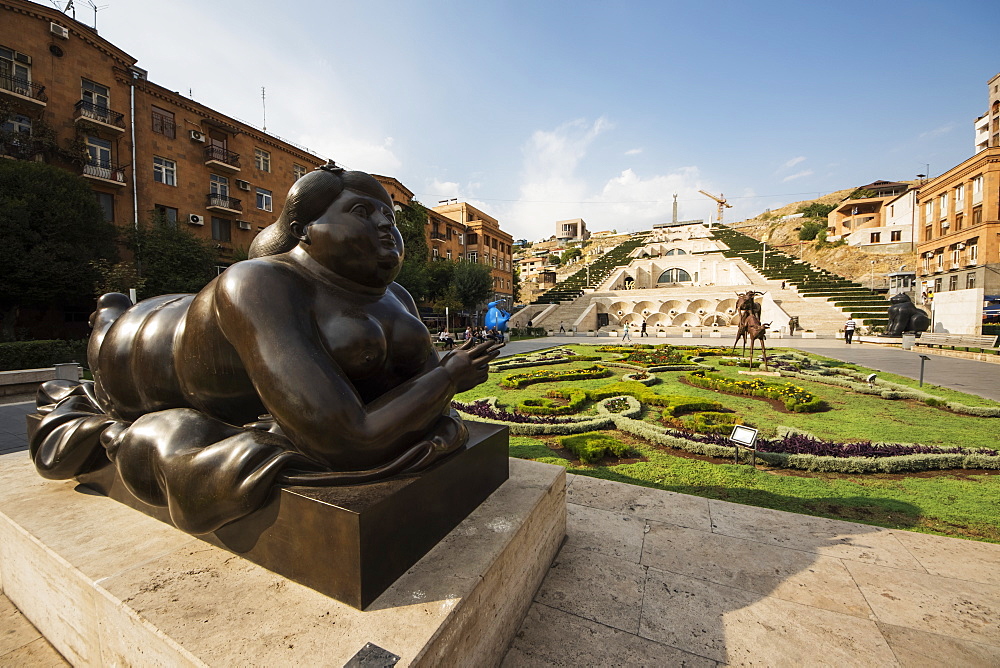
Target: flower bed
519 380
545 405
793 397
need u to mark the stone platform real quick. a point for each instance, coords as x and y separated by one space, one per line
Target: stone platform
107 585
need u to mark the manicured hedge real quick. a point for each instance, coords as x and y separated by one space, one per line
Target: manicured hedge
794 398
16 355
592 446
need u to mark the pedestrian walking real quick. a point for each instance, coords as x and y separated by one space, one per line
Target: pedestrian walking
642 330
782 285
562 330
849 328
625 334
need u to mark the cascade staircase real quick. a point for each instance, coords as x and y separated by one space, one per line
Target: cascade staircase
571 288
809 281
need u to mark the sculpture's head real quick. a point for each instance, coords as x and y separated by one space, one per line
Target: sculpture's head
900 298
344 220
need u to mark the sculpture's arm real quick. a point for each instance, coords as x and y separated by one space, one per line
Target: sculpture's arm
264 311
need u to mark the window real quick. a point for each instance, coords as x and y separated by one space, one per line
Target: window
163 122
928 212
954 254
461 241
928 233
876 237
262 160
448 253
896 235
943 205
953 282
16 124
473 257
977 186
95 94
977 215
165 171
970 281
927 264
937 285
298 171
940 260
100 152
264 202
959 196
959 219
222 229
435 253
892 210
675 275
219 185
973 253
107 203
472 238
15 71
168 213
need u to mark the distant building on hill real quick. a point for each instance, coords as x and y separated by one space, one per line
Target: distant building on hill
878 217
572 230
987 126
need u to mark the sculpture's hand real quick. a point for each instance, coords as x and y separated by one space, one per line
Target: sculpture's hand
470 365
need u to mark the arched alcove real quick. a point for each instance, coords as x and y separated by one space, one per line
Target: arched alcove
674 275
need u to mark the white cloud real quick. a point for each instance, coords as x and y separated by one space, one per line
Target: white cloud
794 161
798 175
633 151
937 132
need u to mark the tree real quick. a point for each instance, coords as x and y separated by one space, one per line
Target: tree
473 283
810 229
440 274
413 276
170 259
554 260
570 254
816 210
52 230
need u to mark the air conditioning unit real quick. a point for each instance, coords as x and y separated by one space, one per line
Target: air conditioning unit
945 224
243 225
195 219
960 246
198 136
59 31
242 185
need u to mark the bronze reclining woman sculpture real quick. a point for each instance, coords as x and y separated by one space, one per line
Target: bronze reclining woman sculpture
305 364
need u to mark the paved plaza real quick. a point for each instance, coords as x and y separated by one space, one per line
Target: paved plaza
656 578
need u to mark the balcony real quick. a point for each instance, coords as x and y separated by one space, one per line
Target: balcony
95 113
22 89
220 158
223 203
437 236
105 172
19 146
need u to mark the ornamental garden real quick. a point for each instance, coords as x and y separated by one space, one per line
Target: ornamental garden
830 442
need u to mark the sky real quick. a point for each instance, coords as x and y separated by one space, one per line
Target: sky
537 111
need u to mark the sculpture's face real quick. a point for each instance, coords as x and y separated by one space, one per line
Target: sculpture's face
357 238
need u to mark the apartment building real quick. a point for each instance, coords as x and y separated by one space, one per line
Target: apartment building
72 98
987 126
572 230
880 214
960 225
485 242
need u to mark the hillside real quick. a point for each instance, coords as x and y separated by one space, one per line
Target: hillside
847 261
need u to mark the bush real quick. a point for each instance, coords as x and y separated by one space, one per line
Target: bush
592 446
17 355
545 406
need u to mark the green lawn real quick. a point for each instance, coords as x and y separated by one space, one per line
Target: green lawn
956 503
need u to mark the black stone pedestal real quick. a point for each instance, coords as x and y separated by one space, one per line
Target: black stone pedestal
352 543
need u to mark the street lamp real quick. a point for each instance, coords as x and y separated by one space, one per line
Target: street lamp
873 277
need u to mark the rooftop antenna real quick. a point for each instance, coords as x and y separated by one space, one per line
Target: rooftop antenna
93 5
263 106
69 6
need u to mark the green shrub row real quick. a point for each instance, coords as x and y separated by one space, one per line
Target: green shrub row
592 446
545 406
520 363
519 380
672 404
16 355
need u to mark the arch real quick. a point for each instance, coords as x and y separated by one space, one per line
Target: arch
687 319
675 251
674 275
618 309
628 283
644 308
727 306
671 306
701 307
658 319
715 320
631 319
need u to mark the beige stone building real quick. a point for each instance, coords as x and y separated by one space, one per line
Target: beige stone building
485 243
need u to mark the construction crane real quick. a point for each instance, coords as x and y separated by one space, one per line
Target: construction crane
723 204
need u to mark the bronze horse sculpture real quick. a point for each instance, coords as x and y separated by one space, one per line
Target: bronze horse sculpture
750 326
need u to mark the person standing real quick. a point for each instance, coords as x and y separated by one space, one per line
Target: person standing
782 285
849 328
562 330
625 334
642 330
